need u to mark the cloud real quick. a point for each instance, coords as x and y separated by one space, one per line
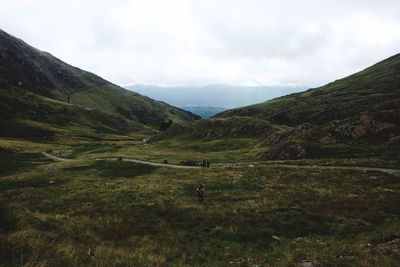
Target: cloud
192 42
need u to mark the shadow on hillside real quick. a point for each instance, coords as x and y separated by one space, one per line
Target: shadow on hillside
115 169
13 162
31 182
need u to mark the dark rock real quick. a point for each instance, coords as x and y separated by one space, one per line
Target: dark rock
327 140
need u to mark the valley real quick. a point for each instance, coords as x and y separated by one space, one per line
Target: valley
92 174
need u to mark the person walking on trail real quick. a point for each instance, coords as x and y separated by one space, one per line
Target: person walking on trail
203 164
200 192
208 164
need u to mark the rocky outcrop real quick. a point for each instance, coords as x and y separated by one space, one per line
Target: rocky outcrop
390 247
366 126
286 151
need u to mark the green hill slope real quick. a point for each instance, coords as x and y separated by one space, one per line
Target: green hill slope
358 116
374 90
39 91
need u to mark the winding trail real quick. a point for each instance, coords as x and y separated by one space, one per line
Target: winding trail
358 168
293 166
161 164
55 158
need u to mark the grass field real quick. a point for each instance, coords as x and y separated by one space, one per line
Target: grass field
175 151
98 211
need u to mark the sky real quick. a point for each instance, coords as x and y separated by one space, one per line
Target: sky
198 42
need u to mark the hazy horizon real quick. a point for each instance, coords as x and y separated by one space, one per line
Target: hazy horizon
225 96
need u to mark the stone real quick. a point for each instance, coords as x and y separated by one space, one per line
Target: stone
276 238
327 140
306 263
300 240
394 140
389 190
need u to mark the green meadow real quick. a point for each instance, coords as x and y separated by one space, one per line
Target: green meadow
97 210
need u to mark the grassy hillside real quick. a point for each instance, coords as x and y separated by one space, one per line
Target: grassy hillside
39 92
375 90
30 116
355 117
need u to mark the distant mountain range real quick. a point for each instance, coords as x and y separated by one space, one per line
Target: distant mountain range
204 111
216 95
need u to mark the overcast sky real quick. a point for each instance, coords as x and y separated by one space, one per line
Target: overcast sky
196 42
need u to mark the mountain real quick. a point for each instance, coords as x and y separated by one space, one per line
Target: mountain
41 95
214 95
358 116
204 111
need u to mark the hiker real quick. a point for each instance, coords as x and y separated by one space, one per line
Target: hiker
208 164
200 192
203 164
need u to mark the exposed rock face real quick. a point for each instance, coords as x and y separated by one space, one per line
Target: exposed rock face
368 126
286 152
365 127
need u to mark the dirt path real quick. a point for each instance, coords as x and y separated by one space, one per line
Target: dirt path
55 158
161 164
319 167
358 168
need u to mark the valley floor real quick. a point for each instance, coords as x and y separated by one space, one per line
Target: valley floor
97 210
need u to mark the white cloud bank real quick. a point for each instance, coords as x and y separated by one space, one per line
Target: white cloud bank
196 42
